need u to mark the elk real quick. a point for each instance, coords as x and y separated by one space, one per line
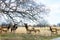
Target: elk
14 27
30 30
53 30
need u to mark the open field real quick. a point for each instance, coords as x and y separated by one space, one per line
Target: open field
13 36
43 30
21 34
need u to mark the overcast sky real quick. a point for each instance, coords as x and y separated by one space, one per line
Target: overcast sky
54 5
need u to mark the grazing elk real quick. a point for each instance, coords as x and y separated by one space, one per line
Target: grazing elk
4 28
30 30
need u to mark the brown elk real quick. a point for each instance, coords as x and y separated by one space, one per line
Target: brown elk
14 27
30 30
4 28
53 30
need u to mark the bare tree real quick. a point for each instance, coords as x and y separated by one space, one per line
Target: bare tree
23 9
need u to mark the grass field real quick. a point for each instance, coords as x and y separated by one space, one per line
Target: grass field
21 34
12 36
43 30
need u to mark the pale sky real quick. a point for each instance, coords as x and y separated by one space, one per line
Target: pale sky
54 5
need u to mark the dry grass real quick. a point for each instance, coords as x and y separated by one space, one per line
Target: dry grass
44 34
43 30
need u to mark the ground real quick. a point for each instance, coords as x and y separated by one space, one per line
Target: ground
21 34
43 30
13 36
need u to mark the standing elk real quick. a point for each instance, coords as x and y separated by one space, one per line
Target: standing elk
5 28
53 30
13 28
30 30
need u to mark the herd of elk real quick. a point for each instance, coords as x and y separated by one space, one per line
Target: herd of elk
14 27
53 30
6 28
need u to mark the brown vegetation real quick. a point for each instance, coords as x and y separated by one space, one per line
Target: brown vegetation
43 30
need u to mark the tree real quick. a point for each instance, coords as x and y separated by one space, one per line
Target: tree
22 10
43 23
58 24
